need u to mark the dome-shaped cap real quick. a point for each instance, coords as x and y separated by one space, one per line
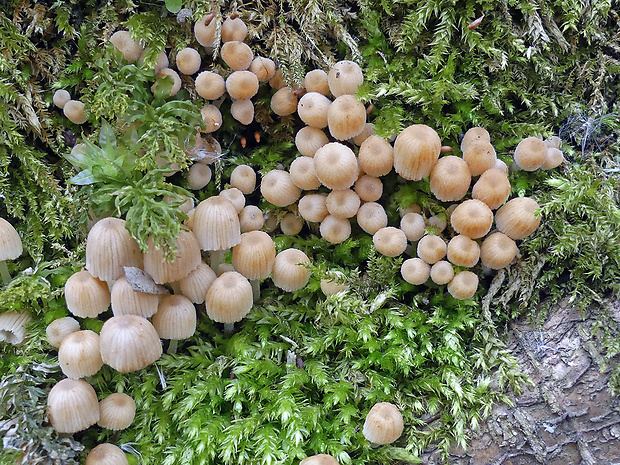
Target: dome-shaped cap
442 272
86 296
413 225
376 156
463 251
316 81
278 188
346 117
472 218
255 255
234 29
243 177
59 329
369 130
390 241
479 156
216 224
284 102
450 178
335 229
343 203
127 301
312 109
79 354
242 85
319 459
291 224
61 97
172 74
345 77
431 248
185 260
129 343
251 218
336 166
72 406
308 140
313 207
464 285
106 454
205 29
131 49
110 247
416 150
517 217
331 286
371 217
242 111
264 68
493 188
497 251
415 271
303 173
369 188
188 60
474 134
554 158
530 153
384 424
287 273
196 284
237 55
10 243
210 85
116 411
229 298
175 318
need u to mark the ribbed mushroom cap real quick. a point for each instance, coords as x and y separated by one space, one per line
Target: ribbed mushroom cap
371 217
384 424
13 326
234 196
243 177
161 63
129 343
376 156
415 271
210 85
242 111
277 81
284 102
554 158
59 329
116 411
196 284
463 251
110 247
79 354
319 459
438 221
277 188
345 77
72 406
86 296
431 248
106 454
464 285
291 224
205 29
450 178
216 224
390 241
530 154
234 29
198 176
343 203
413 208
493 188
131 50
474 134
237 55
175 317
369 188
479 156
346 117
255 255
229 298
212 117
497 251
331 286
334 229
336 166
61 97
74 111
308 140
251 218
312 109
287 274
442 272
264 68
369 130
416 150
303 173
176 85
501 165
188 60
185 260
413 225
313 208
316 81
516 218
472 218
126 301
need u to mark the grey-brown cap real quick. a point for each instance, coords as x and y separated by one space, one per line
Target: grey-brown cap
384 424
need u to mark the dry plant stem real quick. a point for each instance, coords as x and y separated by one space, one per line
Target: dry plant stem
216 259
4 271
172 347
255 289
229 328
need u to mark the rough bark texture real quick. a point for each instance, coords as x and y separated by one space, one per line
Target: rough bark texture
567 417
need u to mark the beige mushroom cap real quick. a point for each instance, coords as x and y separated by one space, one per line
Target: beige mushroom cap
10 242
554 158
205 29
336 166
530 154
242 111
431 249
493 188
127 301
291 224
116 411
390 241
413 225
284 102
345 77
79 355
464 285
442 272
210 85
255 255
497 251
415 271
229 298
303 173
106 454
376 156
371 217
479 156
212 117
287 273
384 424
335 229
59 329
243 177
313 208
517 217
278 188
264 68
251 218
13 326
308 140
343 203
316 81
176 80
72 406
463 251
175 318
319 459
474 134
74 111
312 109
450 178
86 296
331 286
369 188
196 284
234 29
61 97
216 224
131 49
188 60
346 117
185 260
416 150
473 218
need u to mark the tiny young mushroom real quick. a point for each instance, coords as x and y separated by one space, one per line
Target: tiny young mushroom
106 454
229 299
59 329
289 274
175 319
72 406
10 247
116 411
384 423
254 258
79 354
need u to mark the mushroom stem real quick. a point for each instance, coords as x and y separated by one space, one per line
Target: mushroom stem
255 289
4 271
229 328
216 259
172 347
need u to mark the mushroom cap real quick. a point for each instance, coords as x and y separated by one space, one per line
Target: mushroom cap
251 218
278 188
277 81
450 178
330 286
473 218
463 251
336 166
497 251
204 31
415 271
110 247
131 49
308 140
479 156
319 459
384 423
176 84
371 217
376 156
554 158
234 29
413 225
287 274
185 260
335 229
369 130
390 241
343 203
442 272
283 102
13 326
554 142
59 329
464 285
346 117
195 285
416 150
517 217
369 188
216 224
237 55
235 196
431 249
188 61
210 85
530 153
255 255
492 188
229 298
291 224
161 63
74 111
198 176
474 134
316 81
129 343
106 454
175 317
242 111
212 117
72 406
313 207
345 77
303 173
264 68
116 411
312 109
79 355
243 177
127 301
86 296
61 97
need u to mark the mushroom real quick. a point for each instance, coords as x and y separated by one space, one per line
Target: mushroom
316 81
127 301
198 176
288 273
497 251
442 272
303 173
251 218
264 68
278 188
283 102
413 225
450 178
474 134
554 158
390 241
72 406
472 218
234 29
205 29
517 218
343 203
79 355
346 117
330 286
463 251
530 154
234 196
277 81
334 229
431 249
492 188
464 285
195 285
312 109
369 130
371 217
243 177
184 261
384 424
479 156
116 411
61 97
415 271
212 118
242 111
416 150
10 247
237 55
229 299
345 77
319 459
74 111
172 74
131 50
376 156
291 224
336 166
312 207
188 61
175 319
308 140
242 85
106 454
254 258
210 85
13 327
59 329
369 188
